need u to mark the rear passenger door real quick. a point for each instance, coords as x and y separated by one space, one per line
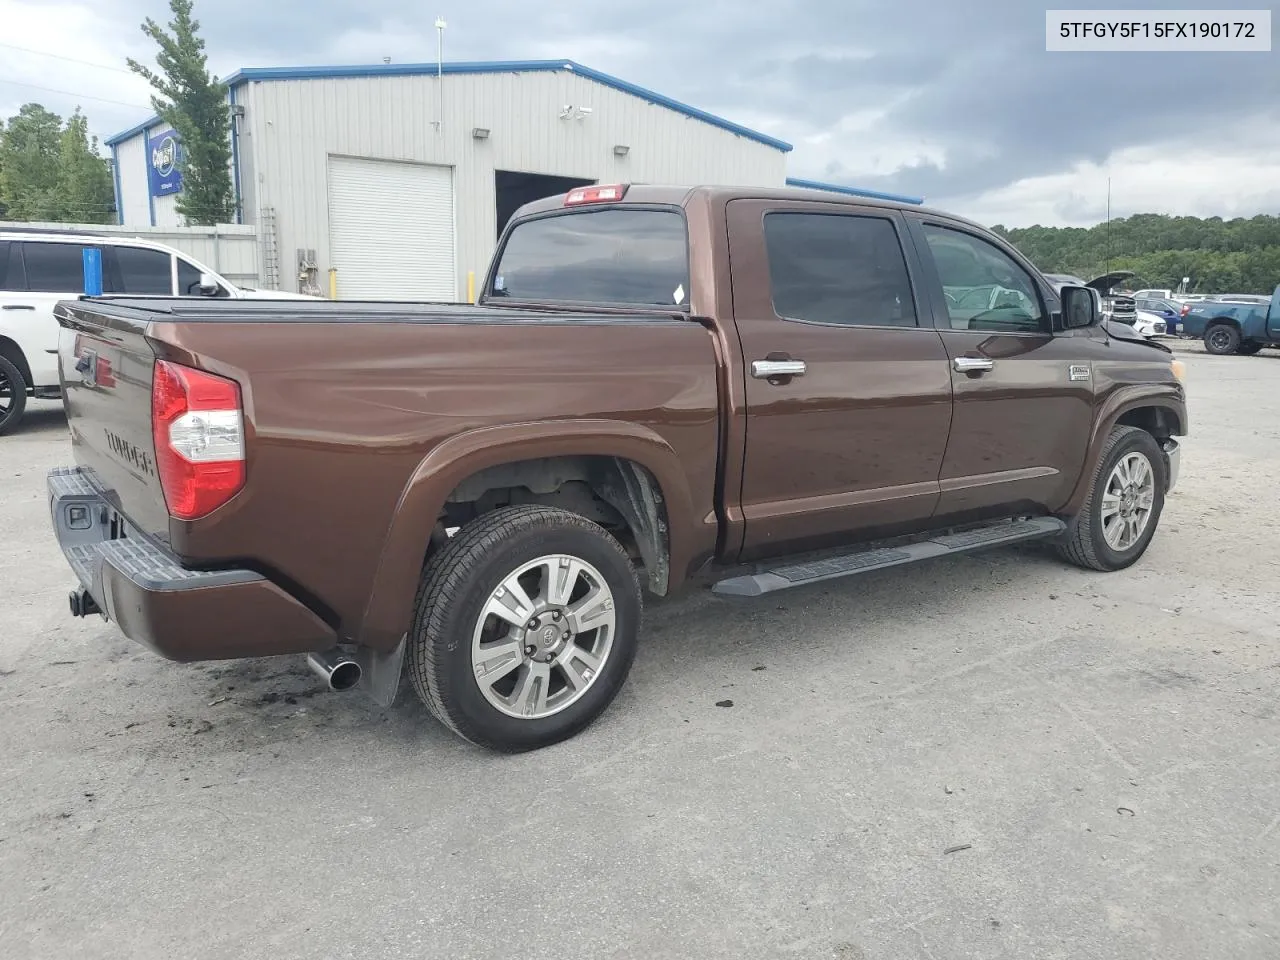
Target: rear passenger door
1023 390
848 394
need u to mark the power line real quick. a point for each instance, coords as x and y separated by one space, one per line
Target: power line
58 56
77 96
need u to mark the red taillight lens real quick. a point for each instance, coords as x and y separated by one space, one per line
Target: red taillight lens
596 194
198 427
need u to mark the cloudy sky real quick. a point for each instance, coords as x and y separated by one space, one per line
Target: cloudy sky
957 101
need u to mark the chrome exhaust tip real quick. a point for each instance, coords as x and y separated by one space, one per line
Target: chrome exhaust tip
336 669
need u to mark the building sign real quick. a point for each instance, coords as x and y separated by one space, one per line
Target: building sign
162 163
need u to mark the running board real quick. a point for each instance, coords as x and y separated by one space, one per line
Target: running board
801 574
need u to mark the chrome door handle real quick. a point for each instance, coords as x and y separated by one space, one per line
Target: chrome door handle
973 364
767 369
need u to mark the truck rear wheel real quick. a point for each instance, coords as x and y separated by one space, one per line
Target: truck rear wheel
13 395
1126 498
1221 339
525 627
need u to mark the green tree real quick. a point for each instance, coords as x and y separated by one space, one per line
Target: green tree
30 150
85 193
1219 256
194 103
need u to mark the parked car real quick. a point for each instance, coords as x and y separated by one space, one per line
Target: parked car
1115 306
1233 327
39 268
759 389
1167 310
1149 324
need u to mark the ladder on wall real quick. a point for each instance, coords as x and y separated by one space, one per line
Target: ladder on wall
270 249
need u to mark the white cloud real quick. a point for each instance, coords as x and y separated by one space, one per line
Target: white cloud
1180 177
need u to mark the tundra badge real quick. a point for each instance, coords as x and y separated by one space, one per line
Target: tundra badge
1079 371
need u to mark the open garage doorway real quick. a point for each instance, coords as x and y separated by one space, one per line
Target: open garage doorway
514 190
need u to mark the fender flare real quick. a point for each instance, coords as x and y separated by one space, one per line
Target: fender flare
389 610
1115 406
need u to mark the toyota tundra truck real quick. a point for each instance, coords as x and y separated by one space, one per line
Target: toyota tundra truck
659 387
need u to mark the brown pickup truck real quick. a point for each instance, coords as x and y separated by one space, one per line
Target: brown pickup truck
757 389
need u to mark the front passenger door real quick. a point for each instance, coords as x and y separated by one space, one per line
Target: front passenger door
1023 392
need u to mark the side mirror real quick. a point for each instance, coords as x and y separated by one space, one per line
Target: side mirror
208 286
1079 307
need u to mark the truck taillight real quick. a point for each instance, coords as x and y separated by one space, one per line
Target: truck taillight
596 194
1186 308
198 427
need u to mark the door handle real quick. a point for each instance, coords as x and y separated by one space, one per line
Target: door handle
17 306
973 364
768 369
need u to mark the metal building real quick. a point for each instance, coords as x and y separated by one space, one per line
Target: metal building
399 177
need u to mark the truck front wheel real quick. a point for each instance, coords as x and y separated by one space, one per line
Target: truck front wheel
1126 498
525 627
13 395
1222 339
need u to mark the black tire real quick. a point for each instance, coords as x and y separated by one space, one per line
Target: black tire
1221 339
1084 544
13 395
457 583
1249 348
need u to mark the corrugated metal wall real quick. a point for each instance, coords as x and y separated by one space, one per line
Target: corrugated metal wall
131 159
230 249
291 127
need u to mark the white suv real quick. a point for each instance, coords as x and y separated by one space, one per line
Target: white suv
39 269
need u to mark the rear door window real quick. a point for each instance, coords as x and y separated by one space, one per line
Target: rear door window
143 272
839 269
623 256
54 267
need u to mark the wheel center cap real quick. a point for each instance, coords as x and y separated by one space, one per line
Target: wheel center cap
549 637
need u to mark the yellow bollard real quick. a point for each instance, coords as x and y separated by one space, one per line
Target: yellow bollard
333 283
471 286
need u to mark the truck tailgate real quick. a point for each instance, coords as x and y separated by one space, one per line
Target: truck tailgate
106 366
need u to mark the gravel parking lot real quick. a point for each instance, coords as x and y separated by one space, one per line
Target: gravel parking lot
1100 754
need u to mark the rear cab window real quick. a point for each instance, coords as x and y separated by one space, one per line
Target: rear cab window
633 256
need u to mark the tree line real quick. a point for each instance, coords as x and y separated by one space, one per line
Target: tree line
50 169
1218 256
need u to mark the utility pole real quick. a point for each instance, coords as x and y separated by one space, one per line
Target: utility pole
1108 227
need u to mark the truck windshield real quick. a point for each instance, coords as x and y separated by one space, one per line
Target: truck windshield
624 256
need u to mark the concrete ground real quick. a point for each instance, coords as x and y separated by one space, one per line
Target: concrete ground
1101 753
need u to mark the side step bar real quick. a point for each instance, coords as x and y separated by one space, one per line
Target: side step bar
800 574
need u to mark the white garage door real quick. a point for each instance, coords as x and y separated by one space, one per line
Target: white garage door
391 230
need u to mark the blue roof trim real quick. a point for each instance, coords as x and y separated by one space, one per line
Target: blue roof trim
480 66
850 191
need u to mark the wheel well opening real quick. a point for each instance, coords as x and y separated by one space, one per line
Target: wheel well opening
13 353
1161 422
620 495
1223 322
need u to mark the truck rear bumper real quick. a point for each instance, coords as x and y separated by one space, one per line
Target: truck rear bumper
181 614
